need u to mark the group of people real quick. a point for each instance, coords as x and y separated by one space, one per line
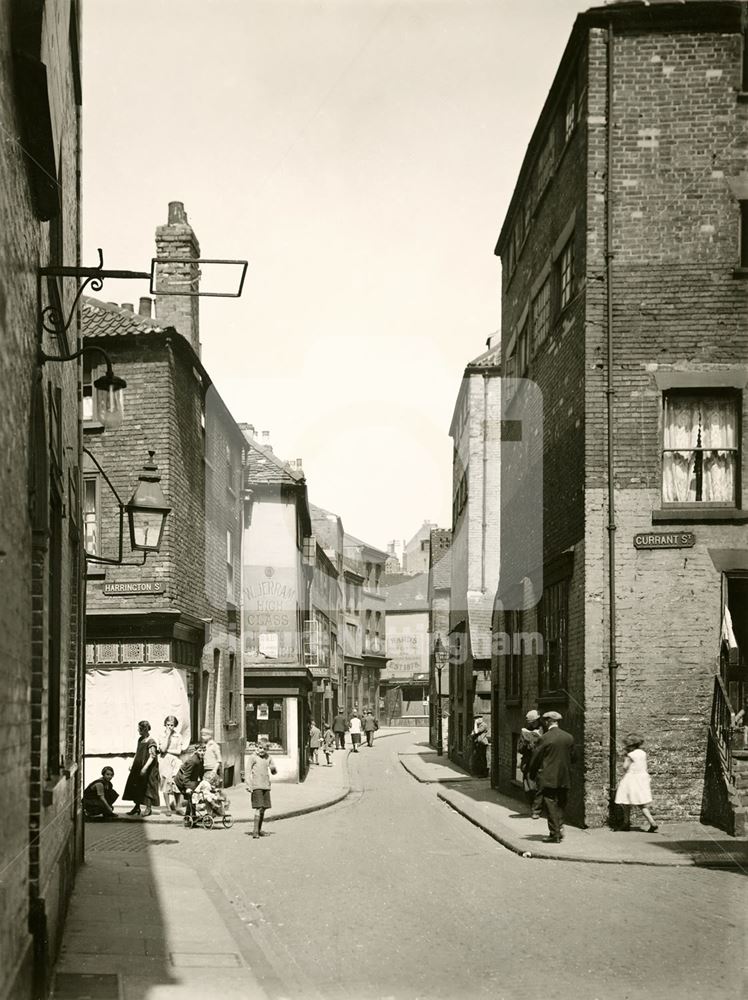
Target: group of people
357 726
546 755
159 768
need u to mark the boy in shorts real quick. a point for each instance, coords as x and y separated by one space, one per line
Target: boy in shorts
258 784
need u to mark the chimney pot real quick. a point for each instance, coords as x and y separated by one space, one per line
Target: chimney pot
128 306
266 435
145 306
177 213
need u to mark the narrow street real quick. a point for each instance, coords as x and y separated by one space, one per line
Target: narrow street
393 895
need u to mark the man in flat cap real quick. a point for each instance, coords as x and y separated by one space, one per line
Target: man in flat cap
550 767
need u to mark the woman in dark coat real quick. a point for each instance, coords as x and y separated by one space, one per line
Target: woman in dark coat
142 782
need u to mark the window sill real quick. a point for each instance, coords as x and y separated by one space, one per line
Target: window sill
740 273
95 572
553 698
93 427
702 515
742 97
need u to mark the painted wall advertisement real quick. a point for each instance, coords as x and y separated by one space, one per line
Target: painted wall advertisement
270 612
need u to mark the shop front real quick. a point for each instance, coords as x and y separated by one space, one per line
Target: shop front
277 710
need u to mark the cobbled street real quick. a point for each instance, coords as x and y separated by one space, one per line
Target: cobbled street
390 894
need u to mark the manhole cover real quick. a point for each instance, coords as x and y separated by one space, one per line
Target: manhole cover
85 986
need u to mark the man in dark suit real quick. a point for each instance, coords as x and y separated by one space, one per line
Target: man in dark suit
550 767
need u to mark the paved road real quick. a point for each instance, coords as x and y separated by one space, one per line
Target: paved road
392 895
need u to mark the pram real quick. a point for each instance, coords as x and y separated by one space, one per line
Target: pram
207 809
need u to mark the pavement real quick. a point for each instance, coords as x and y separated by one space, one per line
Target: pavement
508 821
144 926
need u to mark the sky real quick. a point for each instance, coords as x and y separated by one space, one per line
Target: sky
361 155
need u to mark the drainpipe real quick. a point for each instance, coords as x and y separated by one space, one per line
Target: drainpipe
609 392
485 488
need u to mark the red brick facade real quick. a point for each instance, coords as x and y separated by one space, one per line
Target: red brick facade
678 130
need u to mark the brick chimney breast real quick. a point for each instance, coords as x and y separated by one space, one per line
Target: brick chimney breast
177 240
145 306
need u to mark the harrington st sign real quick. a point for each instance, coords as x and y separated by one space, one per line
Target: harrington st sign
129 589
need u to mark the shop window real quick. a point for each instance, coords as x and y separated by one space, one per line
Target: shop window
553 660
700 455
266 720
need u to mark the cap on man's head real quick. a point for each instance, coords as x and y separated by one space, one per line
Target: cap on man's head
532 715
554 716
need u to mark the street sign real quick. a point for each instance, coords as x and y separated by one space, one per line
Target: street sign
133 588
664 540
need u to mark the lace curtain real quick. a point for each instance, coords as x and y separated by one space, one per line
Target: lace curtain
699 457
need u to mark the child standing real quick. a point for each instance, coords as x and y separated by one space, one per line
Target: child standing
258 783
328 743
634 787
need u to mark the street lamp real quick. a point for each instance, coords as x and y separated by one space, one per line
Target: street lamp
147 510
146 514
441 656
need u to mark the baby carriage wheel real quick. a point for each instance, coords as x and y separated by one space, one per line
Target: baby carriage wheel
188 821
228 821
208 822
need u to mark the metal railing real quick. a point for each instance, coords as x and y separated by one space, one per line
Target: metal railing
722 726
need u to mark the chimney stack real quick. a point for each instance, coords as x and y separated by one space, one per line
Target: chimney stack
127 306
145 306
177 240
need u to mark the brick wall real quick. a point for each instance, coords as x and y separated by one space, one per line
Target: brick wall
39 817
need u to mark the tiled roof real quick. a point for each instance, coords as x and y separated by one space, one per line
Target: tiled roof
490 358
105 319
409 593
441 572
263 466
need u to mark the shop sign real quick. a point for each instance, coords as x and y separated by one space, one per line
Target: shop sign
132 588
664 540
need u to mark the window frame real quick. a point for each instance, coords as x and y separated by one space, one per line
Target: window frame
565 288
554 604
715 392
537 339
514 660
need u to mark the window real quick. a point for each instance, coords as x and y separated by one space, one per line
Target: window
744 233
229 565
87 403
91 515
54 640
232 670
541 315
570 107
553 661
565 270
517 759
265 720
700 448
546 160
311 643
523 351
513 660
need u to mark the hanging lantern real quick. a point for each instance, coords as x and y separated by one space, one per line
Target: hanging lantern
147 510
109 399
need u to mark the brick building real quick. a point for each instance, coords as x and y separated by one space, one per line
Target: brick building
624 252
163 637
405 681
40 530
474 552
440 577
278 556
321 636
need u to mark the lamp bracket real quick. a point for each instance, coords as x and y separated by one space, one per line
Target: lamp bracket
119 561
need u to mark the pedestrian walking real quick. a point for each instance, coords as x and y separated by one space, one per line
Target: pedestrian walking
258 785
370 727
315 738
528 740
141 786
328 744
212 761
340 727
189 776
170 748
99 797
550 767
634 788
355 727
481 741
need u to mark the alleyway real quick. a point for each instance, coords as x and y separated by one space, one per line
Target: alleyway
391 894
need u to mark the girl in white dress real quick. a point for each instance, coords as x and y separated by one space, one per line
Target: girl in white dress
634 787
170 748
